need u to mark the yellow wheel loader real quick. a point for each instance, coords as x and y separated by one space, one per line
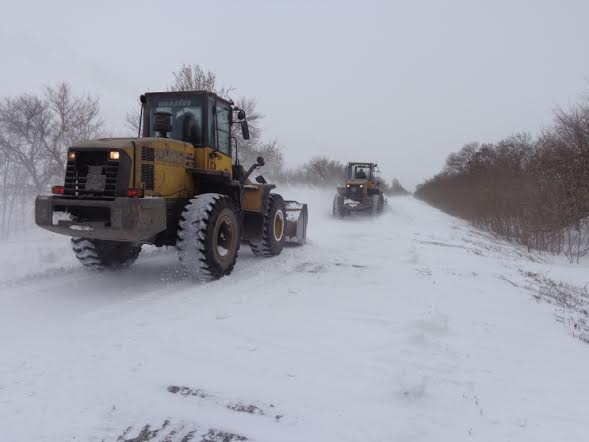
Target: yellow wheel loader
361 192
176 185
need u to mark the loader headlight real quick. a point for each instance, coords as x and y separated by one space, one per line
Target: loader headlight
347 185
71 156
114 155
361 185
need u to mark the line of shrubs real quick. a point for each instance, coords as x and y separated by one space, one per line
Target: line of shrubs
534 191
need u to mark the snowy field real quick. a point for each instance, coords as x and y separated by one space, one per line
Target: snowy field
409 327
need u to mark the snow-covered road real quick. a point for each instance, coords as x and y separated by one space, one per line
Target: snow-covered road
409 327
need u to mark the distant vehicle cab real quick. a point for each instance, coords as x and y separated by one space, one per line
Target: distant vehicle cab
362 191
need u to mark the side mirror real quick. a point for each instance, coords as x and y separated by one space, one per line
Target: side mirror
245 130
259 163
241 115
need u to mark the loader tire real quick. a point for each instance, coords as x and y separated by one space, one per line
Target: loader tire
273 238
339 210
98 254
377 204
208 237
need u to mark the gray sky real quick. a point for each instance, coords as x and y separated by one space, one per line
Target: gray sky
401 83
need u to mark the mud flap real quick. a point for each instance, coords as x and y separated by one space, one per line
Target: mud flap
296 222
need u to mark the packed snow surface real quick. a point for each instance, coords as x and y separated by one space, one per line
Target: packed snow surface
412 326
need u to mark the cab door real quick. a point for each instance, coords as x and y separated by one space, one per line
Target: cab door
220 118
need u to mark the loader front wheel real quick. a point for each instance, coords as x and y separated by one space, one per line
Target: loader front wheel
377 204
208 237
98 254
273 237
339 210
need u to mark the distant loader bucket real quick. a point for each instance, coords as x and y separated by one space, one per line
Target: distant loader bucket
296 222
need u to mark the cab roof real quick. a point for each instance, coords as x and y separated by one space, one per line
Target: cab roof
187 94
362 163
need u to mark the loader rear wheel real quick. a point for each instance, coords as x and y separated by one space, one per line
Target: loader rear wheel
97 254
377 204
272 241
208 236
339 210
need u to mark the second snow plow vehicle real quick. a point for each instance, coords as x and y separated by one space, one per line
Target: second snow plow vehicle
176 186
361 193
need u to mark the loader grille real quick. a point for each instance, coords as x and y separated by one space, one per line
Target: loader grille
354 191
147 167
147 154
91 174
147 175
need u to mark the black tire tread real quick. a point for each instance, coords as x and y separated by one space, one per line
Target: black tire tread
264 247
192 233
377 204
100 255
339 210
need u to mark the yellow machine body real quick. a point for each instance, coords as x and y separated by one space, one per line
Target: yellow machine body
135 189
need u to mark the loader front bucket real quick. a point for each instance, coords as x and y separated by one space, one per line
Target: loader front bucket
296 223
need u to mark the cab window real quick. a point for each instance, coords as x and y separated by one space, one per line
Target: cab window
223 129
186 120
359 171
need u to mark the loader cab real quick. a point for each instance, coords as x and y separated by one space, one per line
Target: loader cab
360 171
197 117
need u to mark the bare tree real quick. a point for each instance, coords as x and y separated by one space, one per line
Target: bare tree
188 78
133 123
195 78
35 131
318 171
272 154
24 122
72 119
457 162
396 188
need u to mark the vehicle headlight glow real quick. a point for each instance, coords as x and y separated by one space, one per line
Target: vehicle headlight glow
114 155
71 156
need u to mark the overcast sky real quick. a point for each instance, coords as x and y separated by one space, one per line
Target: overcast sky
401 83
